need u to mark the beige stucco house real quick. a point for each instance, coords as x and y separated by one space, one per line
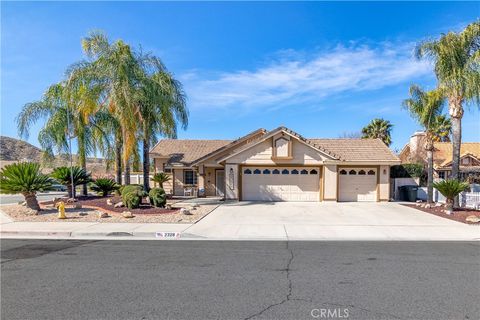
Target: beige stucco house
277 165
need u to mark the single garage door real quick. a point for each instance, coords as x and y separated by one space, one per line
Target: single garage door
281 183
357 184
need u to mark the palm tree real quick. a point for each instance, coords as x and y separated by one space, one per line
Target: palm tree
456 58
161 178
450 189
65 175
25 178
378 129
426 108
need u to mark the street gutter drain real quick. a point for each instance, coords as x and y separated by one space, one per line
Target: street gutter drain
119 234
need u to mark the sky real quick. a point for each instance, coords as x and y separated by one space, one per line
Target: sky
320 68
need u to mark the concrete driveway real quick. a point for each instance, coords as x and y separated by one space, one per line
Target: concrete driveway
327 221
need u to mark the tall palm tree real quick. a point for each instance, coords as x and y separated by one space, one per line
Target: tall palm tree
456 58
380 129
426 109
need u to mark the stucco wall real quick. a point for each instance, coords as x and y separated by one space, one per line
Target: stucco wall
262 154
384 183
330 182
231 187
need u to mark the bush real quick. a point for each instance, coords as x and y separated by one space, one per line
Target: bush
158 198
450 188
25 178
161 178
132 195
104 186
407 170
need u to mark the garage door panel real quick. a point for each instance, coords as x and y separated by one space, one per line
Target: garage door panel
280 187
357 187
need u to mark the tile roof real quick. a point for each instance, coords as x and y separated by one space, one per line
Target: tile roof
357 149
184 152
442 155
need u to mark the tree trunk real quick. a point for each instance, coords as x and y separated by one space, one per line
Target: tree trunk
31 200
146 164
83 164
430 175
127 173
69 191
456 113
118 160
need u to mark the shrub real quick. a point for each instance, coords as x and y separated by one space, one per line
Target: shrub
161 178
158 198
132 195
64 177
450 188
407 170
25 178
104 186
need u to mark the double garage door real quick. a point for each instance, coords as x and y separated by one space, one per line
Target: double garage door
357 184
281 183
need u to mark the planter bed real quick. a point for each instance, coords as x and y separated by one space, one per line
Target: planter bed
459 214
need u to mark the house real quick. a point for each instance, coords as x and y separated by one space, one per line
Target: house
414 152
277 165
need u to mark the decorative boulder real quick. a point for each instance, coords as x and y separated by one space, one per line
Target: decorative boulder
109 202
472 218
102 214
185 211
77 206
118 204
428 206
71 200
438 204
127 214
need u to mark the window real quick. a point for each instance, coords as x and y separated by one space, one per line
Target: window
257 171
343 172
275 171
247 171
371 173
266 171
285 171
313 171
441 174
304 171
352 172
189 177
362 172
294 171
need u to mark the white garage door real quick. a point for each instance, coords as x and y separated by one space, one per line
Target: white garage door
357 184
280 183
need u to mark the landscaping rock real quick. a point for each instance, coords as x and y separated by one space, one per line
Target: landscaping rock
428 206
185 211
127 214
109 202
438 204
118 204
31 212
419 201
195 205
77 205
23 203
71 200
102 214
472 218
83 214
168 206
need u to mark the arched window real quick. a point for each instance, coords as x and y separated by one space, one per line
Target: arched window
304 171
371 173
275 171
313 171
294 171
352 172
285 171
257 171
247 171
266 171
343 172
362 172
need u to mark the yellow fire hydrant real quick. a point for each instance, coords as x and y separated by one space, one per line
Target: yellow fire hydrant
61 210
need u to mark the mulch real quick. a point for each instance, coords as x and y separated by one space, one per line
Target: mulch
100 203
459 214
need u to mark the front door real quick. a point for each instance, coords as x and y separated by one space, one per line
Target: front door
220 182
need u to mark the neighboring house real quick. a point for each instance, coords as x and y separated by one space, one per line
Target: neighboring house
414 152
278 165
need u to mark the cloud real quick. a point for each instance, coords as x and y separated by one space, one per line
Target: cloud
295 77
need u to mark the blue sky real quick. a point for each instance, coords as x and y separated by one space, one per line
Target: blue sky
320 69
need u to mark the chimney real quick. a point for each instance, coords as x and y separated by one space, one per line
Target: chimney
416 143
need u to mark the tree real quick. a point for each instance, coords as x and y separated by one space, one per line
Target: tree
25 178
161 178
378 129
456 58
64 176
426 109
450 189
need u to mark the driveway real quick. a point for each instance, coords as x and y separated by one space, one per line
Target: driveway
327 221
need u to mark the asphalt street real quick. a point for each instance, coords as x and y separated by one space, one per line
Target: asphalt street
73 279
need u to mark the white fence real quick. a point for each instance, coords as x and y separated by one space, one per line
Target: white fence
137 179
470 200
